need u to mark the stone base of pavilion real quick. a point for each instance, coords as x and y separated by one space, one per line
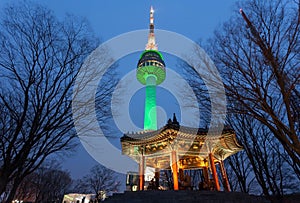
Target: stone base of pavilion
186 196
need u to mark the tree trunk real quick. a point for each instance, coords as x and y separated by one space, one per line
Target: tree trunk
13 190
3 182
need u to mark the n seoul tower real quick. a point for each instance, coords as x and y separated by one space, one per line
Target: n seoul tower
151 72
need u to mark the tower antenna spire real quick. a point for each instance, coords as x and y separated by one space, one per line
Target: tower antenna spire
151 45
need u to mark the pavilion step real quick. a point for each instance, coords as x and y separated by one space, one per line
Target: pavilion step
184 196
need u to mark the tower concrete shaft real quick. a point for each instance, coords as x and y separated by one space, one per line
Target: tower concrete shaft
150 116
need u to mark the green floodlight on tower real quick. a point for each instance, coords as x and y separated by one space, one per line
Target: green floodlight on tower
151 72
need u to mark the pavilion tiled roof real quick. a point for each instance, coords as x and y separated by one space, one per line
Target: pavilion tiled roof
179 131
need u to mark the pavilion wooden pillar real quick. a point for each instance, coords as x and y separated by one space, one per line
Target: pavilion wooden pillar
174 167
156 177
142 172
214 171
224 176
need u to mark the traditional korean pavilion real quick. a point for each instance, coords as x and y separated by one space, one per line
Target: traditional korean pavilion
174 147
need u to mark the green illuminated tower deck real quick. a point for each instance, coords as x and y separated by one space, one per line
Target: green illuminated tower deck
151 72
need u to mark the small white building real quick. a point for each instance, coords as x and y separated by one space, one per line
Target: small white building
78 198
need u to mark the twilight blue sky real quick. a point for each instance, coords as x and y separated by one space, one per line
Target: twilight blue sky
193 18
196 19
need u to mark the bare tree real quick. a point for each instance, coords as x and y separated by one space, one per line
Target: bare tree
39 60
201 93
240 173
27 189
258 56
47 184
100 181
266 160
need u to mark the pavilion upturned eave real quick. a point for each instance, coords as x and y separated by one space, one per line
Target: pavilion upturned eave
171 132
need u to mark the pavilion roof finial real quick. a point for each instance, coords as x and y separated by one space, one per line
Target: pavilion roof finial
151 45
175 119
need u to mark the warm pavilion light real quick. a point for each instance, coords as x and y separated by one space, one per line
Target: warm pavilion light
134 188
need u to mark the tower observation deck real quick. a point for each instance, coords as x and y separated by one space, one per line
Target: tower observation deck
151 72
